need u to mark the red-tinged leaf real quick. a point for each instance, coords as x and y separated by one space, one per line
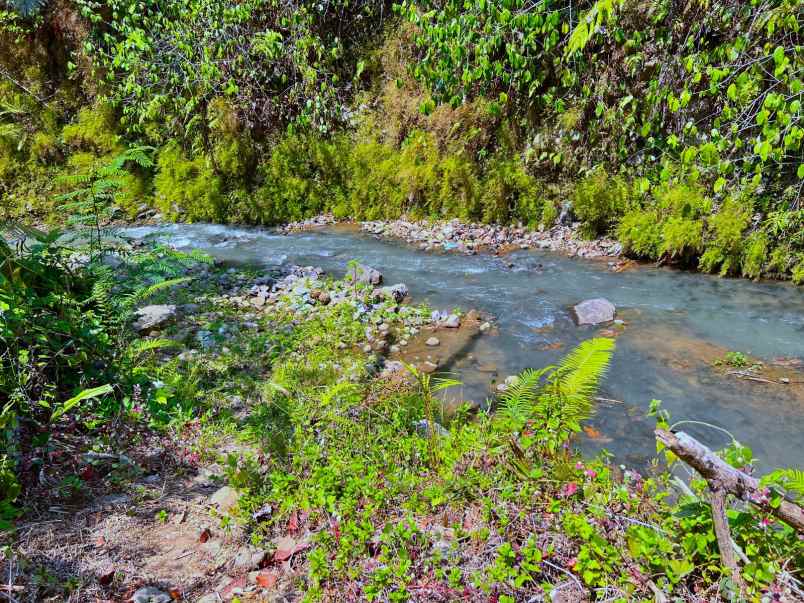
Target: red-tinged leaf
175 594
236 583
293 522
204 536
100 541
106 577
285 547
267 579
87 473
336 530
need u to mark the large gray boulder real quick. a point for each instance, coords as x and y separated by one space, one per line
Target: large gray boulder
151 317
594 311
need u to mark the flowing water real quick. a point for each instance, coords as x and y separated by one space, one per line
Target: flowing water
677 324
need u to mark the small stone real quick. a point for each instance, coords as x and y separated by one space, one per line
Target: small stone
150 594
259 301
248 558
432 342
428 367
225 498
423 428
367 348
394 349
485 327
342 345
784 380
210 598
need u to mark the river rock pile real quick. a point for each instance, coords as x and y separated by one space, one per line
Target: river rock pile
470 238
309 224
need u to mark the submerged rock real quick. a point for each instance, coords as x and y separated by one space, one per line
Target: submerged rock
432 342
150 594
150 317
594 311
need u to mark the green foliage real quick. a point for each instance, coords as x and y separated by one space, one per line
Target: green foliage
599 200
558 398
727 227
275 63
188 188
94 130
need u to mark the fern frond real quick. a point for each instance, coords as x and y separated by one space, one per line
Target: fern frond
517 403
791 480
141 346
581 370
145 293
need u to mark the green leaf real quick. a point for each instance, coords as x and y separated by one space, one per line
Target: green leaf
75 400
719 184
800 171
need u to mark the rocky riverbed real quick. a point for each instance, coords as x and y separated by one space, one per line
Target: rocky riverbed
470 238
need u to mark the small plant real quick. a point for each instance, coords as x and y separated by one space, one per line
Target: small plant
734 360
161 516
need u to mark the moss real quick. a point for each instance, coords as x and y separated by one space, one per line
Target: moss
550 214
44 147
599 200
188 188
797 273
459 192
94 130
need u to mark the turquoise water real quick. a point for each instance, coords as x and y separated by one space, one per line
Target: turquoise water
676 322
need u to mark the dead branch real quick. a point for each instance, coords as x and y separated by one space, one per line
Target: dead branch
722 476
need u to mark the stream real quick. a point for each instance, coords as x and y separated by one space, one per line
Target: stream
676 325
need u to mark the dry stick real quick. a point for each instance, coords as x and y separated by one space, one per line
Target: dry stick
721 475
718 501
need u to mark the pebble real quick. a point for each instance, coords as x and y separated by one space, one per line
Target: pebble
432 342
485 327
150 594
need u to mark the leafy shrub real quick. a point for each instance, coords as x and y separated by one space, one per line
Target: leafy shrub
725 246
510 193
640 233
599 200
681 237
188 187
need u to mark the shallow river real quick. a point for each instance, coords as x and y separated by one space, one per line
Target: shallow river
677 323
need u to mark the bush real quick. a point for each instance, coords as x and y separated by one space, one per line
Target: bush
189 188
599 200
640 233
509 193
726 237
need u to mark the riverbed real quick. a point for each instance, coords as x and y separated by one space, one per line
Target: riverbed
676 325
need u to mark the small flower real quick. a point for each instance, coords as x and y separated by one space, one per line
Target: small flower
569 489
764 523
591 473
579 465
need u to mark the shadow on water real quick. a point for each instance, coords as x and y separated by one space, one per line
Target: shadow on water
676 325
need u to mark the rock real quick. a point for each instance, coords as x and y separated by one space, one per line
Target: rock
453 321
394 349
432 342
365 274
259 301
594 311
393 366
485 327
150 317
248 558
424 430
150 594
472 316
324 298
209 598
396 292
225 499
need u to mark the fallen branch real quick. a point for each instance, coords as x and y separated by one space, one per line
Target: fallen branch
722 476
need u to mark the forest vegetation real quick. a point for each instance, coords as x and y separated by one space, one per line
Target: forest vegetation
671 125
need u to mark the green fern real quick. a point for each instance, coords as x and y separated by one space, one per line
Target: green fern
791 480
560 396
141 346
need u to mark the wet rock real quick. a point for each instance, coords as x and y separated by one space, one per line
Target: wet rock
453 321
428 367
150 594
396 292
151 317
485 327
365 274
594 311
225 499
433 342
